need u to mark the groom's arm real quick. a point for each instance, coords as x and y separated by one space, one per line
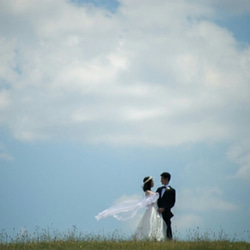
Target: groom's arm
167 203
170 199
160 209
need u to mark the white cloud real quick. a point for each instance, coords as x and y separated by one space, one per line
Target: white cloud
239 153
4 100
204 199
148 74
189 206
244 171
188 221
125 198
6 157
3 155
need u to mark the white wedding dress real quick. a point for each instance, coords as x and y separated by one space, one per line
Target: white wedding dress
151 225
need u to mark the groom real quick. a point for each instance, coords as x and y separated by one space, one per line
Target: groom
166 201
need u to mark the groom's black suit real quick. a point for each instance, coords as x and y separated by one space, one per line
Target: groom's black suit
167 201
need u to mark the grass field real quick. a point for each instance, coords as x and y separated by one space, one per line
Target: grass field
72 239
70 244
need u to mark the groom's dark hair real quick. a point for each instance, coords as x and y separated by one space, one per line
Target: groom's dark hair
166 175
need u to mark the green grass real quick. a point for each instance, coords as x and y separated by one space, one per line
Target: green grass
72 239
177 245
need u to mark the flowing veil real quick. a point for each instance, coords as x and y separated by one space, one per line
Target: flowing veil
127 209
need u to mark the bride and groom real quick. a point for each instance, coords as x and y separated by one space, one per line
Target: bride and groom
155 223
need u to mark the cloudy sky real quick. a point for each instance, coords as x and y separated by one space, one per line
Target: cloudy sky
95 95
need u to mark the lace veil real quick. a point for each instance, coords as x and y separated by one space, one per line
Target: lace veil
127 209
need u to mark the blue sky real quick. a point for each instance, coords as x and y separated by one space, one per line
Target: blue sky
96 95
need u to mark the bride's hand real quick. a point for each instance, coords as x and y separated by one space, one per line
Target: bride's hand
161 210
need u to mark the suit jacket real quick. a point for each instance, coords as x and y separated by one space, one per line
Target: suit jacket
166 201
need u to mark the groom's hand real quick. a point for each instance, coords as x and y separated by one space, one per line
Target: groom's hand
161 210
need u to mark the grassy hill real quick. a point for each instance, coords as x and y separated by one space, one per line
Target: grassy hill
175 245
72 239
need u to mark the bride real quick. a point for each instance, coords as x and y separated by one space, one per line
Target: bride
151 225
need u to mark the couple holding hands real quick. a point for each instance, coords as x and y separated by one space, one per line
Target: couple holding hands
155 223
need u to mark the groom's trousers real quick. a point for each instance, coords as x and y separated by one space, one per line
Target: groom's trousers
169 229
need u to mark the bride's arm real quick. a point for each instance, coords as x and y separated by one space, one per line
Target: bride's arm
151 197
148 192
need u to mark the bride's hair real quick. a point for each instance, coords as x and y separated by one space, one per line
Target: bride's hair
147 183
